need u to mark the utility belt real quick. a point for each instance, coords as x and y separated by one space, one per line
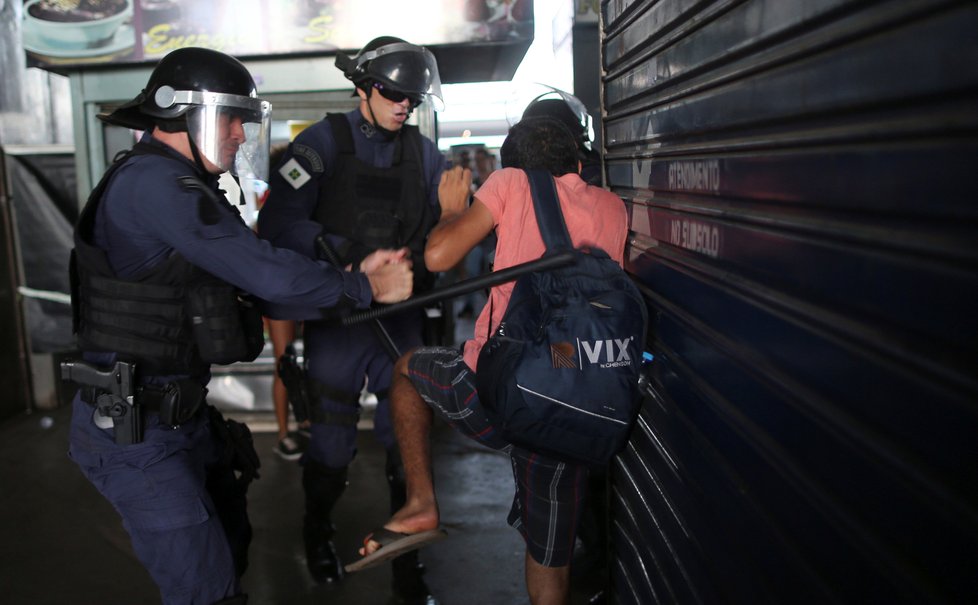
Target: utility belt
116 395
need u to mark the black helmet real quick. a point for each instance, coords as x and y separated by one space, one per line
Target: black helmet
397 65
193 69
193 90
566 108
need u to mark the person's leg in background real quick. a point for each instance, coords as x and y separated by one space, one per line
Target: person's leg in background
288 446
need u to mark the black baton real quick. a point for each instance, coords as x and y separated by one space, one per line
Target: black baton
480 282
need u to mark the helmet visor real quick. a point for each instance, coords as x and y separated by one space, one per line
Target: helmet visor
230 131
406 68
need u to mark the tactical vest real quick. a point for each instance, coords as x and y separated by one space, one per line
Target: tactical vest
378 207
172 319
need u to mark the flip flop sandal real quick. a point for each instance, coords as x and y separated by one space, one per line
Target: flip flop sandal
393 544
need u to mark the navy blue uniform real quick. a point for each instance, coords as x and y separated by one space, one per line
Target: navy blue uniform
160 485
340 358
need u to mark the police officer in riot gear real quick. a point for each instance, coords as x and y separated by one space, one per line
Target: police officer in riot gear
160 271
362 180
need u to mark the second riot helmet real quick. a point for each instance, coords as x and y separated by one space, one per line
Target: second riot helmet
397 65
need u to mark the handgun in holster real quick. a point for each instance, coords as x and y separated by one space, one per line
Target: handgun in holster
294 378
114 395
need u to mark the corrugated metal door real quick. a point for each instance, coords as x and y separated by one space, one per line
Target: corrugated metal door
801 176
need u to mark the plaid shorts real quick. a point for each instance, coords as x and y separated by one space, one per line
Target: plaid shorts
549 495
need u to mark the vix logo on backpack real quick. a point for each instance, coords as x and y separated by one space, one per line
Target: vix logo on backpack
609 353
611 359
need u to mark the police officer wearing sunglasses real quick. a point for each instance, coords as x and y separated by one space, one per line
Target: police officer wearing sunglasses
350 184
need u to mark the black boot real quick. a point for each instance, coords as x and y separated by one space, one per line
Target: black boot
323 486
407 584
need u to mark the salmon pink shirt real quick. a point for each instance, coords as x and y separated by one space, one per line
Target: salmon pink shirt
594 217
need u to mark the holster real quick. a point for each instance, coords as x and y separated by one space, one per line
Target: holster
304 393
294 377
127 418
112 391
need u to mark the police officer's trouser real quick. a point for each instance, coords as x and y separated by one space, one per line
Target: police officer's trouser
339 358
160 489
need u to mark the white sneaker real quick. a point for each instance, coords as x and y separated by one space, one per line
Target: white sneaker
288 448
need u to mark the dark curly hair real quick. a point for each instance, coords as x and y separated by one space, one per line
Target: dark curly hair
560 111
540 143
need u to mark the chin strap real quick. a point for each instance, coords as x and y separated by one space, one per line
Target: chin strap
198 162
180 125
369 129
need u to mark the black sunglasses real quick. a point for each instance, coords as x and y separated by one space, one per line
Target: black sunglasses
396 96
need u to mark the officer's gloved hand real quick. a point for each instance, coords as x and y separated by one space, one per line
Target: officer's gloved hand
389 273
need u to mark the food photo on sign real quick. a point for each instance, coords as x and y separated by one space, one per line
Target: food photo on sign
78 31
81 32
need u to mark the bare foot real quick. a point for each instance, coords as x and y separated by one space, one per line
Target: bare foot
411 519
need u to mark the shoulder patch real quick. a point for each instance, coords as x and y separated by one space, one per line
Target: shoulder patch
294 174
310 155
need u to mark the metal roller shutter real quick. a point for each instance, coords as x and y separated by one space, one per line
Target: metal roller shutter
804 216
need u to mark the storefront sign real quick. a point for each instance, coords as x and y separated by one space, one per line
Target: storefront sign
79 32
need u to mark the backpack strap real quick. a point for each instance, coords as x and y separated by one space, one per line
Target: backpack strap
553 229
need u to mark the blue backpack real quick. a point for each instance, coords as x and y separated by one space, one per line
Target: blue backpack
560 375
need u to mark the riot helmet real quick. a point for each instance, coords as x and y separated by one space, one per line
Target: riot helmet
207 94
569 110
397 67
